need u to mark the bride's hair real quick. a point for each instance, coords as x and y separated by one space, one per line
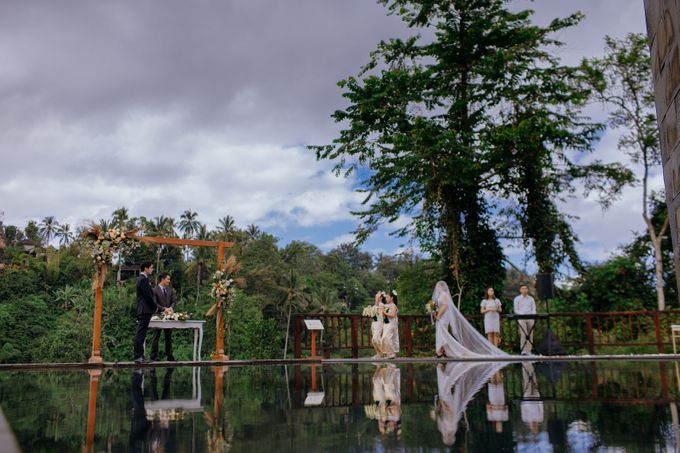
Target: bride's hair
394 297
486 293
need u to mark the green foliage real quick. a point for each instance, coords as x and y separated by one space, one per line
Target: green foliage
472 114
24 321
69 339
415 285
16 282
621 283
251 336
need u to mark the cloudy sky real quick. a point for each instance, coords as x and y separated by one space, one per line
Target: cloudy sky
208 105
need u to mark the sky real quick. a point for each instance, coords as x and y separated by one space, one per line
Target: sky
166 106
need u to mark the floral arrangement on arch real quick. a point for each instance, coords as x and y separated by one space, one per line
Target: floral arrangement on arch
224 283
104 244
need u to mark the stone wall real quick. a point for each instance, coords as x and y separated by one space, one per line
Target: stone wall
663 29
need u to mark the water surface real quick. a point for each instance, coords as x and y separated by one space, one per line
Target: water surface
568 406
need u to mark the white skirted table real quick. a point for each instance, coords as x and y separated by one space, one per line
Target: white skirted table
196 325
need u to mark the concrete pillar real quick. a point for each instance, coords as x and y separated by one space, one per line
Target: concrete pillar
663 30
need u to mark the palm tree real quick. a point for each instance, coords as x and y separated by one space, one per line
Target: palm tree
201 254
164 227
105 225
327 301
188 225
227 226
48 228
253 232
64 234
294 294
120 217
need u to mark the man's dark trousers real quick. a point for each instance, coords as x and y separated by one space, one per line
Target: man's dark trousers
143 321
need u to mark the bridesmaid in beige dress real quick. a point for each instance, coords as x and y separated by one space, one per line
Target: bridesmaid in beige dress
390 338
377 325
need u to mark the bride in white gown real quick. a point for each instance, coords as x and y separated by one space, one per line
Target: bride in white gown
455 337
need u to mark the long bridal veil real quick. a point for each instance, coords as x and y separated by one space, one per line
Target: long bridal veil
458 383
455 334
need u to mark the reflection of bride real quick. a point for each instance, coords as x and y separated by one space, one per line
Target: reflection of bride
387 399
457 383
455 337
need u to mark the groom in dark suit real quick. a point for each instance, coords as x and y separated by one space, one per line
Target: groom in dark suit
166 300
146 307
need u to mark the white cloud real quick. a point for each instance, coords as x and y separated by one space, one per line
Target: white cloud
336 241
150 167
99 109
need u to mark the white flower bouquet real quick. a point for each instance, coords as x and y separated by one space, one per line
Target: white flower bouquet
370 311
171 315
431 308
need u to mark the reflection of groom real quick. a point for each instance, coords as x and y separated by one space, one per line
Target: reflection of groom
165 299
139 425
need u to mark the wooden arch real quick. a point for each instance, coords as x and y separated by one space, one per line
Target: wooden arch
98 297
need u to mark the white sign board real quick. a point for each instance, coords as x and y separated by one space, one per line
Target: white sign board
314 399
313 324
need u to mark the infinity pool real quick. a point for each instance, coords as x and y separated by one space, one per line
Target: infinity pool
565 406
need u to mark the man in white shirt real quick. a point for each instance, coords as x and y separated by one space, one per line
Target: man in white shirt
524 304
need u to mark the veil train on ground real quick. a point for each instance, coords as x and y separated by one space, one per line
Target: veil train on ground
454 334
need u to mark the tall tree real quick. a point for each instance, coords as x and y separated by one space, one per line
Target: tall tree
64 234
538 150
188 224
622 80
293 295
32 233
48 228
423 118
120 217
227 226
159 226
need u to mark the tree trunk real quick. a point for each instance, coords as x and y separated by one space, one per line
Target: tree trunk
119 274
158 262
658 260
198 281
285 344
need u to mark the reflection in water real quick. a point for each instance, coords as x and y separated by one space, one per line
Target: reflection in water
497 410
139 425
160 430
152 420
479 407
531 405
386 407
457 384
